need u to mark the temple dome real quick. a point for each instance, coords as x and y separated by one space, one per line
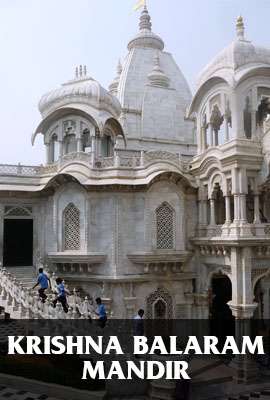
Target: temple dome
153 94
82 89
237 56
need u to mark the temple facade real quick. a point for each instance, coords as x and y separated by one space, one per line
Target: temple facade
151 197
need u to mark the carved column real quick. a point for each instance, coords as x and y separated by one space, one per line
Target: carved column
242 307
212 212
48 153
243 208
216 137
79 144
61 149
226 128
259 227
257 219
211 135
203 138
228 209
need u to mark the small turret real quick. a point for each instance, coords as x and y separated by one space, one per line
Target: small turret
113 88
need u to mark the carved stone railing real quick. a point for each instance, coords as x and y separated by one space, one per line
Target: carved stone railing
267 229
214 231
120 159
23 303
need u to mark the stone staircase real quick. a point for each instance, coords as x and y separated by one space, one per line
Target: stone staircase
25 275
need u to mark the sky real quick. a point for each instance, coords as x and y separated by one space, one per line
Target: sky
41 42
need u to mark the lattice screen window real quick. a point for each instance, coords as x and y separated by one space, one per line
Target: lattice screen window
165 226
71 218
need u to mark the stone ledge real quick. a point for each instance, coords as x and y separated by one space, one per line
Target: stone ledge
76 258
159 257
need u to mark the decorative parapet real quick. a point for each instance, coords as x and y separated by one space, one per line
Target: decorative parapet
126 159
267 229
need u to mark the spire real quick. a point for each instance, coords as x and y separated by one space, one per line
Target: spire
157 77
240 28
145 37
113 88
80 72
145 20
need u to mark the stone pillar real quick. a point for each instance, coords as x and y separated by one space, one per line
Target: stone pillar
48 153
253 124
212 212
242 307
203 138
259 227
226 129
61 149
243 208
216 137
228 209
79 145
202 208
211 135
257 218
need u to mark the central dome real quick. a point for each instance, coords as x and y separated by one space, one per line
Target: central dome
153 94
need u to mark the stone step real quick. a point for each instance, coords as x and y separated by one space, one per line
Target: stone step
25 275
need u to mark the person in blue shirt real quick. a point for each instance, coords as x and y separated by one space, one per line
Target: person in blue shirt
61 294
101 312
43 281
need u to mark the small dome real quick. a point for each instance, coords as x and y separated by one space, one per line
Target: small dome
238 54
157 77
146 38
113 88
82 89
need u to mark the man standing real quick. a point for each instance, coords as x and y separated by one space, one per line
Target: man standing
44 281
101 312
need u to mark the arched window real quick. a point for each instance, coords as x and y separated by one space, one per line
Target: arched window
165 226
71 220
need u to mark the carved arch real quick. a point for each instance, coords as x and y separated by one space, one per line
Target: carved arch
161 294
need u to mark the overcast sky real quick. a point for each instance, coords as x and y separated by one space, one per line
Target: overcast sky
41 42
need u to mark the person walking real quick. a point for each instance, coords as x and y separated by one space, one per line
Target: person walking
44 282
61 294
101 313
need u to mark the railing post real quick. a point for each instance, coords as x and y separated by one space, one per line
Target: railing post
142 159
116 161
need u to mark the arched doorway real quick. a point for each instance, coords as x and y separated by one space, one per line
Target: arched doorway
222 320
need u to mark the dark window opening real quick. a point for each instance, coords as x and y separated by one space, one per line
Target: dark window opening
18 242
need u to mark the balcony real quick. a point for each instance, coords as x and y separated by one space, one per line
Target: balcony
122 159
